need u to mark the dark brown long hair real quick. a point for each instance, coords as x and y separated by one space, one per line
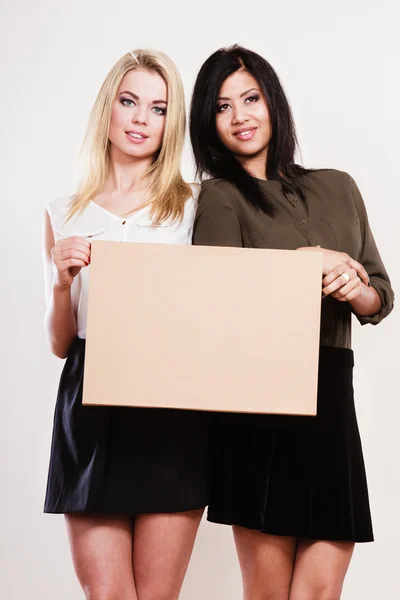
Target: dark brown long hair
213 158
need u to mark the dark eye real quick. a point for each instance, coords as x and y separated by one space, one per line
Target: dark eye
252 98
222 107
127 102
159 111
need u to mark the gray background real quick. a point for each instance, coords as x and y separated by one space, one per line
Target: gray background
339 64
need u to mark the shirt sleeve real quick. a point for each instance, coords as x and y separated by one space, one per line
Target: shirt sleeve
371 260
216 222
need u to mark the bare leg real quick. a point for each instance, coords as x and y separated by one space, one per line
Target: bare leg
162 547
266 562
320 569
101 549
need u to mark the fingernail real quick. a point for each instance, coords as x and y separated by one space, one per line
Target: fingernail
369 284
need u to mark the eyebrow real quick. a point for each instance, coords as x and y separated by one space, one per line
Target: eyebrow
241 95
135 97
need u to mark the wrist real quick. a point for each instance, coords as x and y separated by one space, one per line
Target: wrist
356 301
60 288
368 302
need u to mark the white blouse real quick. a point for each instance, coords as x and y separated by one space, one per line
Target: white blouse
98 223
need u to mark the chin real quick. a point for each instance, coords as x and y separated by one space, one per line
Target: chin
138 152
248 152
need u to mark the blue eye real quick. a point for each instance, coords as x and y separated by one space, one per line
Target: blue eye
159 111
127 102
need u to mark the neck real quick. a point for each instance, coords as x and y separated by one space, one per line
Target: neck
255 165
127 174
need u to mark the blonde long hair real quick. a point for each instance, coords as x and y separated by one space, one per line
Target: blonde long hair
168 190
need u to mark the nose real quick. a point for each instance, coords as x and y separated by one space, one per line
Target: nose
140 116
239 115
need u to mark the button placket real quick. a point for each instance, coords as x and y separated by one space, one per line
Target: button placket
312 234
125 229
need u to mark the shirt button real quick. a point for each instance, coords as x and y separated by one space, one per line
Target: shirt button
123 222
305 221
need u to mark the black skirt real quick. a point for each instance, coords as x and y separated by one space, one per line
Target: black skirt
296 476
124 460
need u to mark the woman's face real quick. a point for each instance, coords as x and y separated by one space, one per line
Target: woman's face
243 121
138 115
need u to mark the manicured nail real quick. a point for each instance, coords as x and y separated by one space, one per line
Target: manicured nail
369 284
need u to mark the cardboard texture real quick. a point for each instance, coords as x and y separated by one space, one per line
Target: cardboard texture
198 327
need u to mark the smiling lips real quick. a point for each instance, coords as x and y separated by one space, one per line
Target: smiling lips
245 134
136 137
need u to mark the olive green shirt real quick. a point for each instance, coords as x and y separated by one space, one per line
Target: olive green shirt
333 217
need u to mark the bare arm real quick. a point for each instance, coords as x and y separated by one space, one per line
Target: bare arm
62 263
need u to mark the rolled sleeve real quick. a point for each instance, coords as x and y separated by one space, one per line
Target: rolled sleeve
372 262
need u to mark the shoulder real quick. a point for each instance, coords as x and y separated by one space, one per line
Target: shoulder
79 224
217 200
57 210
322 178
218 191
217 186
59 206
334 184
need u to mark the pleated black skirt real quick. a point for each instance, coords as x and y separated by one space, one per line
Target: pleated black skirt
296 476
124 460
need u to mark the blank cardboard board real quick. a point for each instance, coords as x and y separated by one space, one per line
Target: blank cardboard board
207 328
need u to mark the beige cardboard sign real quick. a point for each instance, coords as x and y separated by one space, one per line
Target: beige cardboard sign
198 327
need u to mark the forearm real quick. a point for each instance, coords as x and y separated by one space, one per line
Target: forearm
368 303
60 323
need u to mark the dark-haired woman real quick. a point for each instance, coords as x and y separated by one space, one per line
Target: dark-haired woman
294 488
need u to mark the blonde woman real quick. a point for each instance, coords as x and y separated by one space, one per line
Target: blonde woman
132 483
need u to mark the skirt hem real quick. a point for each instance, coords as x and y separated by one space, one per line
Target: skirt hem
119 511
298 534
